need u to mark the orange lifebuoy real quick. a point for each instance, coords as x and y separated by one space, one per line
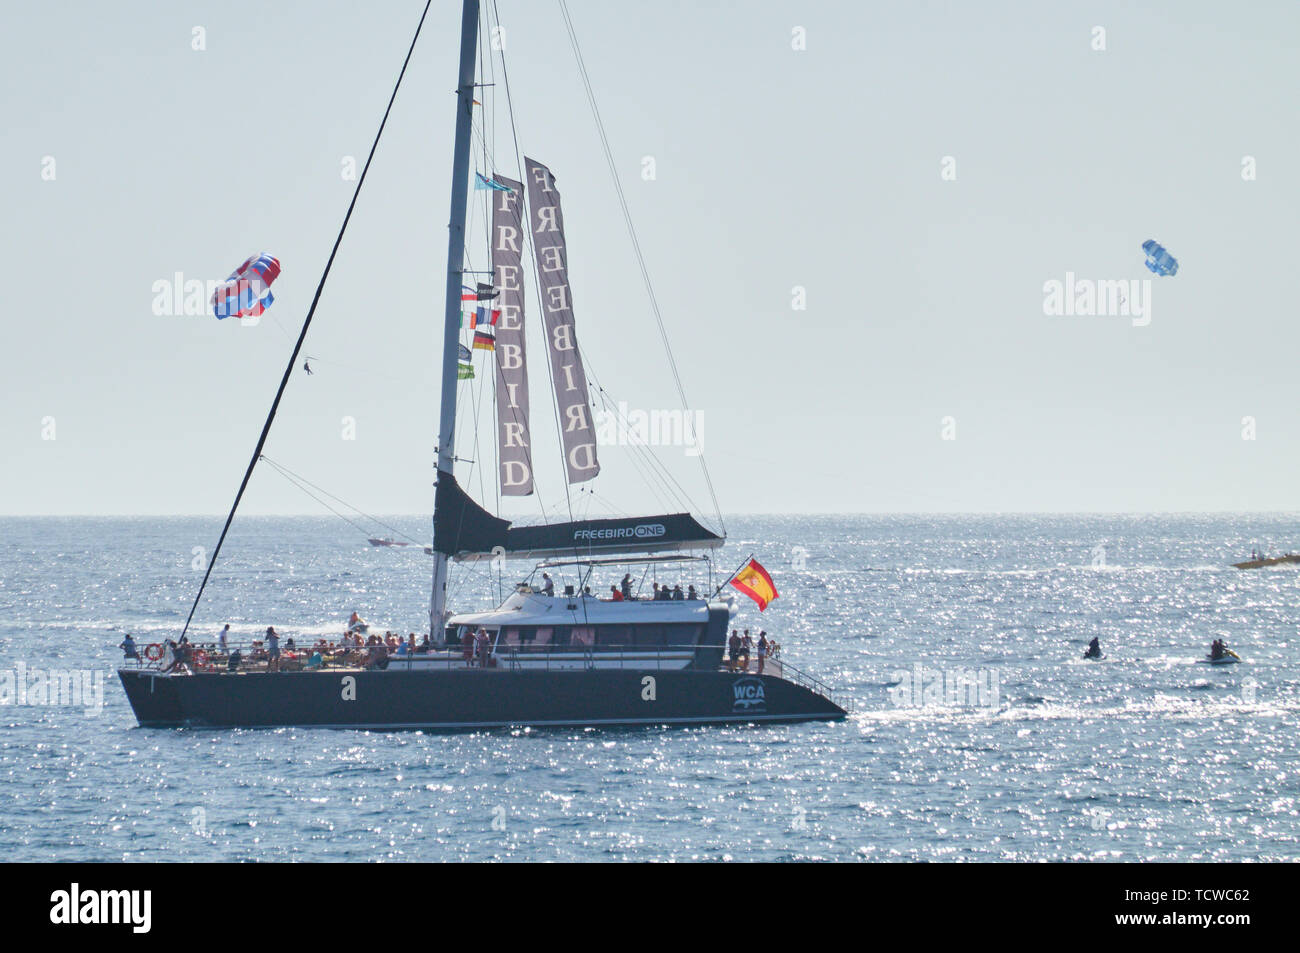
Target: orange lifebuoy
200 658
153 651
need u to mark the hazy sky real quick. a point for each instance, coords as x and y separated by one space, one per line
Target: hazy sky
820 168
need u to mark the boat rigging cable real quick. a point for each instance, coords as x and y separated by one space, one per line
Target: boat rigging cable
302 483
293 358
636 244
637 450
643 460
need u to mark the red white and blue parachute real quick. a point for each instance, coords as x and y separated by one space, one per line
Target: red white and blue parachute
247 291
1159 260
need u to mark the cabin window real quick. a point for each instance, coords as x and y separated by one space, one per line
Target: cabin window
614 635
651 636
683 634
510 636
582 635
544 635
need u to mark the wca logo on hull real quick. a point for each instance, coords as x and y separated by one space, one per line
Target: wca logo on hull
748 695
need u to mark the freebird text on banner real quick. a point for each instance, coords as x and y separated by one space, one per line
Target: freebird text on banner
514 440
546 222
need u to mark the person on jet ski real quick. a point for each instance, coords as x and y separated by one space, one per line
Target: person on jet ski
1094 649
1217 650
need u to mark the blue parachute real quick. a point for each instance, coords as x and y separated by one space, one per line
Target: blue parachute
1159 260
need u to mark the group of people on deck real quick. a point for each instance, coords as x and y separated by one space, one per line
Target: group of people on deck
353 648
623 591
741 647
476 648
664 593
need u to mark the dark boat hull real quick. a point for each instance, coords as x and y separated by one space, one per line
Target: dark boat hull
460 699
1271 561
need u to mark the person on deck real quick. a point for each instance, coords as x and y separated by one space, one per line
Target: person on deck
128 649
377 657
467 647
733 650
678 595
548 585
223 644
762 651
615 595
169 661
691 594
626 586
272 649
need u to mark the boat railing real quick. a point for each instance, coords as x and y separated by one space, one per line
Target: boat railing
515 657
254 657
809 682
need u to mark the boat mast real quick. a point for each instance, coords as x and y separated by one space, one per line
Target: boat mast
455 261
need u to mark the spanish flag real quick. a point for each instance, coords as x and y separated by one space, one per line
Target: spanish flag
754 582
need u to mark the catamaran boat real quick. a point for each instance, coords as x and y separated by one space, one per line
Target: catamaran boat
540 657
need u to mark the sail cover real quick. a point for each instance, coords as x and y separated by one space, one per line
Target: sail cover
464 530
514 441
546 222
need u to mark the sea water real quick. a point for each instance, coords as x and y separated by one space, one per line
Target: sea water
978 731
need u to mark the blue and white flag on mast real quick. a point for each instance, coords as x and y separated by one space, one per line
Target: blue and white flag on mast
482 184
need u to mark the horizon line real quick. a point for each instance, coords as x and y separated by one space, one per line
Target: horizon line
735 515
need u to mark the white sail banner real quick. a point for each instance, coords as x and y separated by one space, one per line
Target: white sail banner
514 440
546 222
